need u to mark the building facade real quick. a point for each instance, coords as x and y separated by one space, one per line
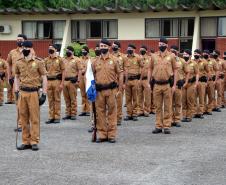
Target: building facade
189 28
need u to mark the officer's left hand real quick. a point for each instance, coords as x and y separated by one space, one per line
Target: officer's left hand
42 99
61 87
173 89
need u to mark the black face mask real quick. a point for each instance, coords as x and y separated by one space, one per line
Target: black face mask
196 57
19 44
130 52
51 51
162 48
115 49
215 56
26 52
142 52
104 51
84 53
97 52
224 58
205 56
174 52
68 53
186 58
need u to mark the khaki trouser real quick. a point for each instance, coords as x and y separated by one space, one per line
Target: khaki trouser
10 93
131 97
188 100
119 99
106 114
54 99
70 97
176 105
1 91
218 98
209 97
29 115
162 95
201 92
140 99
85 102
223 100
152 108
144 98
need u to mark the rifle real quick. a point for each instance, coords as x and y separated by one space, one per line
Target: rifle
94 136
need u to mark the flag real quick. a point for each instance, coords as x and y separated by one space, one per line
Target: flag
90 83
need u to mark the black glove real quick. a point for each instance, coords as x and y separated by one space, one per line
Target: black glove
17 95
11 81
2 75
42 99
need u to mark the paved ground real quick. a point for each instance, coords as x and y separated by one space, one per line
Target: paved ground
192 155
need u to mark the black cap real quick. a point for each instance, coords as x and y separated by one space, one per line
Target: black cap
206 51
105 41
132 46
86 48
188 51
54 46
117 43
145 47
198 51
23 36
216 52
27 44
174 47
70 48
164 40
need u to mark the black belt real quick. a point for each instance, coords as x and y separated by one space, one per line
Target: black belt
144 78
161 82
72 79
29 89
203 79
2 75
101 87
221 76
192 80
135 77
57 77
83 74
213 78
180 83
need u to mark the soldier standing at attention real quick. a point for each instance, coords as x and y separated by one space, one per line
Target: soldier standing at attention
29 70
201 88
163 67
3 72
82 85
189 98
132 72
71 79
116 46
144 92
182 80
210 89
106 73
55 75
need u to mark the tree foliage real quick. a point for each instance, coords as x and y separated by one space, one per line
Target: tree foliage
101 3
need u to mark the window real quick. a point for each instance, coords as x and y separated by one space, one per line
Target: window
186 27
222 26
170 27
152 28
83 29
209 27
185 44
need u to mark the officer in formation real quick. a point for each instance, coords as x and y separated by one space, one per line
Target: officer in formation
174 86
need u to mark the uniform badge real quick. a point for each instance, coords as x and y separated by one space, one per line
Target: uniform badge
110 62
168 58
192 64
211 63
134 62
147 60
120 58
33 64
57 61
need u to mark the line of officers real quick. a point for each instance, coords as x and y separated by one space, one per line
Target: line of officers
171 85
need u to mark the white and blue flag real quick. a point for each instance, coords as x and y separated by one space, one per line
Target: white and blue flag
90 83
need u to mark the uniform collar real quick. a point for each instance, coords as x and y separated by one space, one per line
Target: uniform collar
166 52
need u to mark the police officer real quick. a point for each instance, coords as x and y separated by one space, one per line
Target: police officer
13 56
29 70
71 79
97 50
210 89
182 80
162 69
144 90
219 81
82 69
132 72
201 88
106 72
116 47
55 75
3 72
188 92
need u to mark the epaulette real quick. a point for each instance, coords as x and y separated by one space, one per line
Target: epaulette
38 58
20 59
